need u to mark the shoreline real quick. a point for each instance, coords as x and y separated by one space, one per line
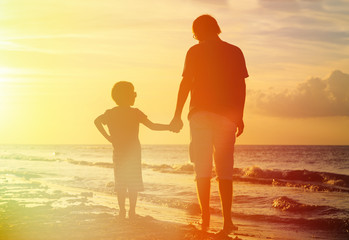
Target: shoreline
34 210
56 192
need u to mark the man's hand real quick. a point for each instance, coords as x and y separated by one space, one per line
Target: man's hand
240 127
176 125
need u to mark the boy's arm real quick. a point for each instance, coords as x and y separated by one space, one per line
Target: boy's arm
99 125
155 126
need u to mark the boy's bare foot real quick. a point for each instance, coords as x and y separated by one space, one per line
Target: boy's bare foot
132 215
122 214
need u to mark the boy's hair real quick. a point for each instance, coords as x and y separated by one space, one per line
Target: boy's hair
204 27
123 93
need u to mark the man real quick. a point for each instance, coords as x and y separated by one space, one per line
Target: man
214 74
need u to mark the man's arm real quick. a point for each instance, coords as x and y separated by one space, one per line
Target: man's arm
241 96
99 125
183 92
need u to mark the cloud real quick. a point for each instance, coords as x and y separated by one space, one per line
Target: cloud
296 5
338 6
214 2
304 20
286 5
313 98
312 35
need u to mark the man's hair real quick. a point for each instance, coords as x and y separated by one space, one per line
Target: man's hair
205 26
123 93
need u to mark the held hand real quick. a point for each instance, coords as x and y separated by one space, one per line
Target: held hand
176 125
240 127
109 138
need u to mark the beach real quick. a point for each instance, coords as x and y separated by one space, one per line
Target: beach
66 192
70 214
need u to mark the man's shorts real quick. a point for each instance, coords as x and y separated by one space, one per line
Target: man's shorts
212 136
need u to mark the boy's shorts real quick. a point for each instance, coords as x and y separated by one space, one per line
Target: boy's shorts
212 135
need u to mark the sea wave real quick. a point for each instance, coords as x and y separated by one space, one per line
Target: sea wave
334 179
287 204
306 179
166 168
309 180
25 157
314 221
329 224
178 203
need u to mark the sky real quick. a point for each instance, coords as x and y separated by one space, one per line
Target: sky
60 59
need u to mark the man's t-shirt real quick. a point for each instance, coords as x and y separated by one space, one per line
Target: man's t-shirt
217 72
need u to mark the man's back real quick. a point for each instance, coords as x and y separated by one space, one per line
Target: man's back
214 73
217 70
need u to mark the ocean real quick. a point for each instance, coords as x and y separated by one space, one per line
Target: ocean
301 192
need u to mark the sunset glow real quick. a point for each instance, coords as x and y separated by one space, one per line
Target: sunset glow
60 59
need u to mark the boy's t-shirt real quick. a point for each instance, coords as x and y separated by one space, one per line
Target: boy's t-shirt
123 124
217 71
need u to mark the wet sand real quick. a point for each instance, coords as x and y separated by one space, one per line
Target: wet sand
35 210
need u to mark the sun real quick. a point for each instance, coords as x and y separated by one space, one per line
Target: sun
5 71
5 91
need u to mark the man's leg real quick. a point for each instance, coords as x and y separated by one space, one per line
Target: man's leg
203 186
224 140
201 150
226 195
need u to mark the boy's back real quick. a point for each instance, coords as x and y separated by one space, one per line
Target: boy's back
123 124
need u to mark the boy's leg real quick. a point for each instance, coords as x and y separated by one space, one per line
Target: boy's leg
119 188
121 195
203 186
133 200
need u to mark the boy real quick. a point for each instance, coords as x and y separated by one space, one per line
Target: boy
123 125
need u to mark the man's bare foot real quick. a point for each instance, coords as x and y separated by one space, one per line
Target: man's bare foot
205 222
230 227
221 235
204 226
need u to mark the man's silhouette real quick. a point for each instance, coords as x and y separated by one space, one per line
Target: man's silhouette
214 74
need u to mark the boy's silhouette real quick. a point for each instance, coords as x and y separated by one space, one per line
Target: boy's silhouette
123 125
214 74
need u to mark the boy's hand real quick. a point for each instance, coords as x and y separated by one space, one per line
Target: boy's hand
176 125
99 125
